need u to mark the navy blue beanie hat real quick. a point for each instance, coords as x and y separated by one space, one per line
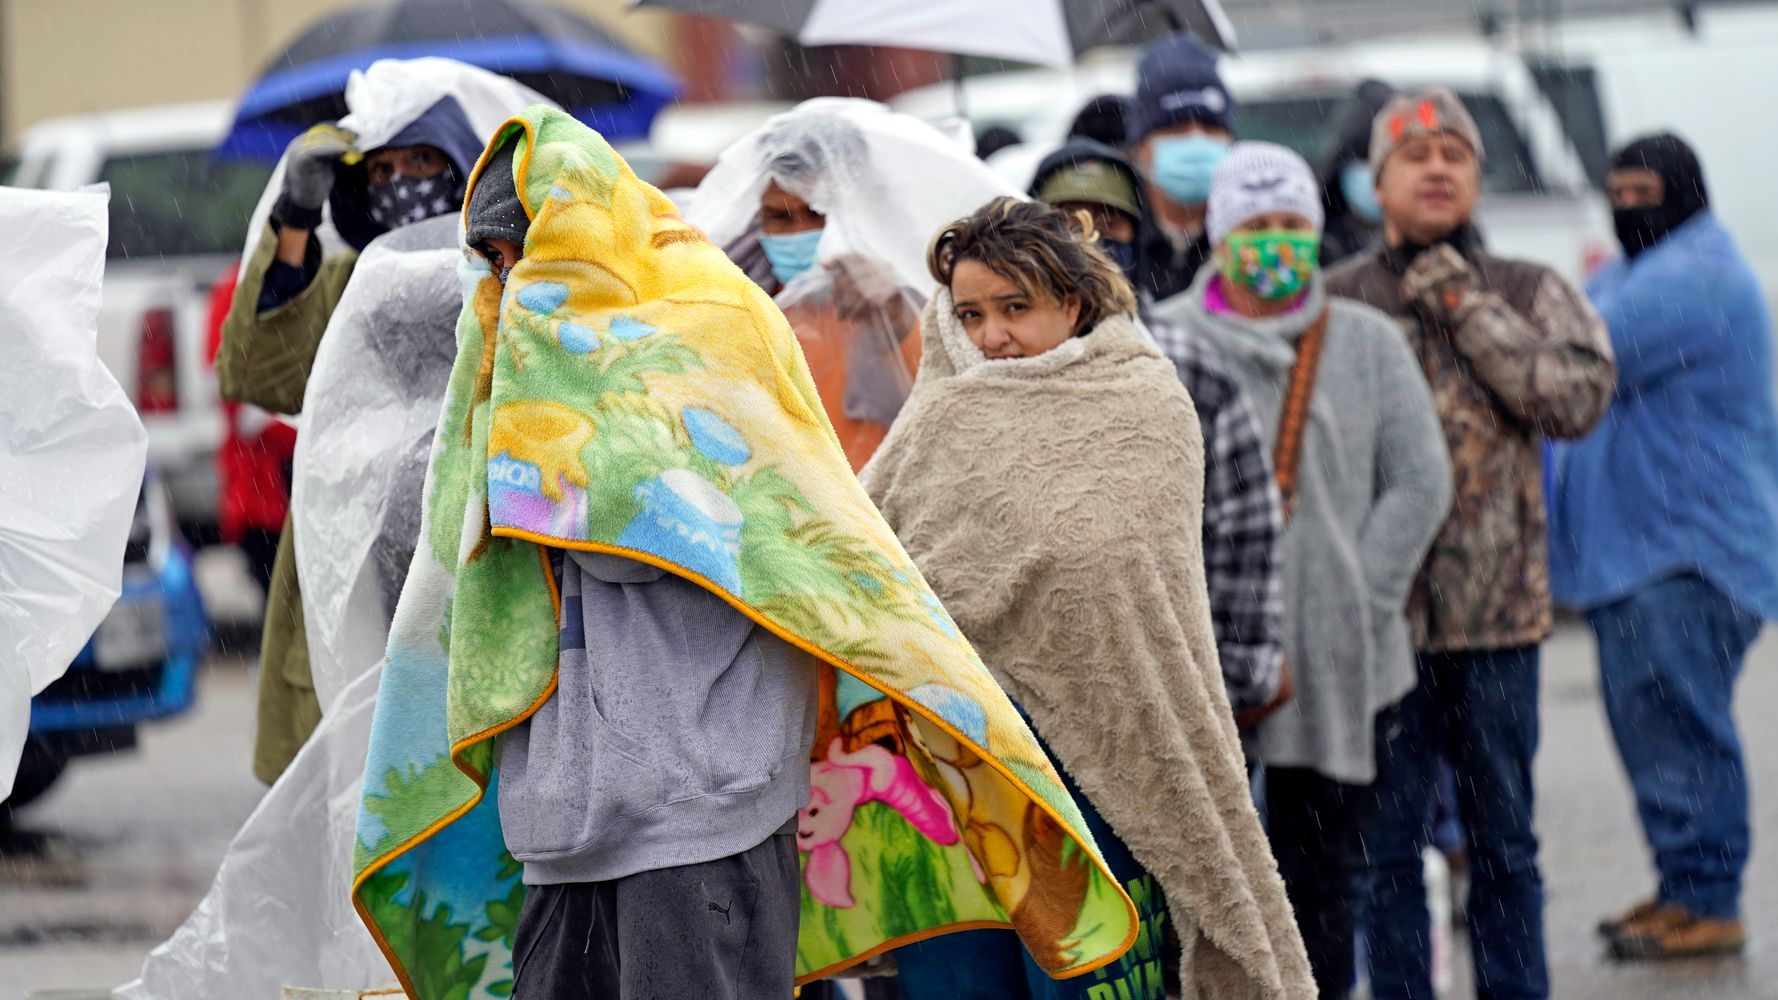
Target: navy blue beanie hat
1177 83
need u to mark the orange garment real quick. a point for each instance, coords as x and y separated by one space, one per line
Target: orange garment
850 355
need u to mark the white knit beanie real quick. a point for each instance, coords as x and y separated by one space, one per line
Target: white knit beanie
1260 177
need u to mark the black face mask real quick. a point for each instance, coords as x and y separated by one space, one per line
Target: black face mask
403 201
1643 227
1684 196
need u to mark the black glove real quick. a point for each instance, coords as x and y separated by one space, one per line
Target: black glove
310 166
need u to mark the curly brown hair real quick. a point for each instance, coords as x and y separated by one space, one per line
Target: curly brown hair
1041 250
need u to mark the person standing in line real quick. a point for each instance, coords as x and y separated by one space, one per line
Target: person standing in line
1666 535
828 208
1513 355
287 293
618 865
1348 192
1243 514
1361 462
1092 613
1181 123
1104 119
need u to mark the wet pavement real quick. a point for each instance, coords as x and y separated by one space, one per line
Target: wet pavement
1594 860
113 858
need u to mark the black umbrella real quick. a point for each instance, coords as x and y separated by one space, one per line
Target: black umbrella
557 53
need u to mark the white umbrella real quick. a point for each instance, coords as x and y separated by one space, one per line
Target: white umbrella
1043 32
1019 30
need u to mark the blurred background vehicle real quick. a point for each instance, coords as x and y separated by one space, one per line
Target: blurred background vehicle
178 216
1540 198
140 665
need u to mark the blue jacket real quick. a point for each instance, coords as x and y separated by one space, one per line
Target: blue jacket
1682 475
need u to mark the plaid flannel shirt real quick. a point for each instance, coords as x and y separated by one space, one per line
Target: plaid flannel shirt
1243 523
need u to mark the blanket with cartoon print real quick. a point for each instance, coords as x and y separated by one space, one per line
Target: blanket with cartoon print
630 391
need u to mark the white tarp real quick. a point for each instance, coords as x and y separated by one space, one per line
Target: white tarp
71 449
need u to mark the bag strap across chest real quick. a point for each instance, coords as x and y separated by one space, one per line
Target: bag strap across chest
1293 421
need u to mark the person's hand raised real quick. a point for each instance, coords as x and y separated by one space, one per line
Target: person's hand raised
1442 284
311 166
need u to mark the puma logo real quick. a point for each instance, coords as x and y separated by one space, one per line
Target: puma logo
724 911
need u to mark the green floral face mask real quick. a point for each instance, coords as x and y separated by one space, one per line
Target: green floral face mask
1272 263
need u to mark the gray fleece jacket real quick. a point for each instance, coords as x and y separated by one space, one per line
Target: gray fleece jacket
1373 488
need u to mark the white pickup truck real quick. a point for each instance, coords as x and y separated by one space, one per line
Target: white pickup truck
1538 201
178 220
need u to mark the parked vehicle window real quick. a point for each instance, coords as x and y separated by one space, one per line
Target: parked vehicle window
1300 122
180 202
1574 93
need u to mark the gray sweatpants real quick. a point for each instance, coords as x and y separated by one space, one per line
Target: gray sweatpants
720 930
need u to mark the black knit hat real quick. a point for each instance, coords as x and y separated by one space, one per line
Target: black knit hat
1176 83
494 206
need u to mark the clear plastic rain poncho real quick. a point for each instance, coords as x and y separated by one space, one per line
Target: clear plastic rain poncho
369 411
279 912
71 450
884 183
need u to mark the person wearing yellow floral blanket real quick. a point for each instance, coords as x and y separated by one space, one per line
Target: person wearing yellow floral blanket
627 399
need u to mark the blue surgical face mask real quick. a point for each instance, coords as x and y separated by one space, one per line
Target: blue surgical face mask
1184 165
1360 191
791 254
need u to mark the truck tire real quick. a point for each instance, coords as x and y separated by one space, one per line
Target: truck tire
39 768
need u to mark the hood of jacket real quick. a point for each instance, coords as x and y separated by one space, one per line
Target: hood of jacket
1154 251
1349 141
443 125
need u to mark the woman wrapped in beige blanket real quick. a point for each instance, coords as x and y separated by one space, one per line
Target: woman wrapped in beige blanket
1047 477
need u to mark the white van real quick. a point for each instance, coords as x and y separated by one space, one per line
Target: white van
1538 200
1707 81
178 220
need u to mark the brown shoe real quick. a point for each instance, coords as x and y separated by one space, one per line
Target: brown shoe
1689 937
1611 927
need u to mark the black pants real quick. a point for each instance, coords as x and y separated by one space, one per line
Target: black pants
722 930
1316 826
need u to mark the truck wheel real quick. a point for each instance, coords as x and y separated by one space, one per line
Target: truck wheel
39 768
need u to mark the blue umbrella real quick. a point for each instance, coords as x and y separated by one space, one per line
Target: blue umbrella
559 54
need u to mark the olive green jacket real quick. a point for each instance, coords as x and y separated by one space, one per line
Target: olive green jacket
265 359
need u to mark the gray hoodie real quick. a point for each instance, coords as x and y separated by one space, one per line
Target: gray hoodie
1374 487
679 732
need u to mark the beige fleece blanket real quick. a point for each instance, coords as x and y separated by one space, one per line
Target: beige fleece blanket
1054 503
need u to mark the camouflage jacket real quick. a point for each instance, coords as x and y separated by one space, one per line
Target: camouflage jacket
1523 357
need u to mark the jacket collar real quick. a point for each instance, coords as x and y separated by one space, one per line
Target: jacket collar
1464 239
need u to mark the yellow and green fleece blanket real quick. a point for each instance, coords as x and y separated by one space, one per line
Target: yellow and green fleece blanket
630 391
